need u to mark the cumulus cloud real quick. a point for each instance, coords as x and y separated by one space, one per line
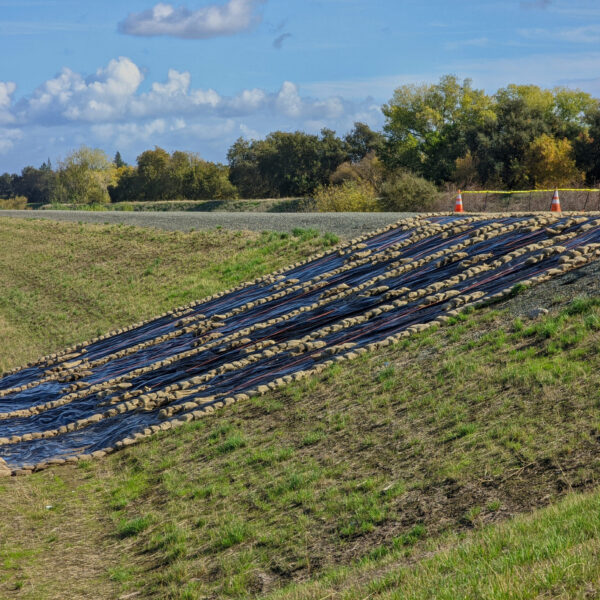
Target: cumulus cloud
288 100
8 138
71 97
113 95
109 109
7 89
209 21
249 101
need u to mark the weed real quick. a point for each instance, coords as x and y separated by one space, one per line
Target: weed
231 444
129 528
233 532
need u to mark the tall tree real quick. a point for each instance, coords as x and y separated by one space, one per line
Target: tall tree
427 126
244 169
551 162
362 140
501 146
285 164
7 189
587 146
84 177
118 161
37 185
153 170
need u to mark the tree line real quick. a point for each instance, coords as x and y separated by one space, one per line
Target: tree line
442 134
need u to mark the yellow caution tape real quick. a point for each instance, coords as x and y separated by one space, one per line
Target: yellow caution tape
529 191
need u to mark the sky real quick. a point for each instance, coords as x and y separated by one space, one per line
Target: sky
196 75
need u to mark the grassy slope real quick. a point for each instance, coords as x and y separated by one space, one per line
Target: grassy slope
381 478
240 205
61 283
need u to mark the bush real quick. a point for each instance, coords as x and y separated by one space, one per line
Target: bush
350 196
369 168
405 191
16 203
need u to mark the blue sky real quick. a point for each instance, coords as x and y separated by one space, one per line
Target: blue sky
197 74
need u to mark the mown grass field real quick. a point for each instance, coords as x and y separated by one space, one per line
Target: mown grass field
408 473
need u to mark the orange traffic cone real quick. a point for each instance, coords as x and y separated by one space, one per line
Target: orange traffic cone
555 207
458 206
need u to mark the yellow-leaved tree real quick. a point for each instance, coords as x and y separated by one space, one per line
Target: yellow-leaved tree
550 163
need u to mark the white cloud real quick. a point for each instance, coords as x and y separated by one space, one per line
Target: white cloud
172 97
70 97
331 108
588 34
206 22
288 100
248 101
112 95
126 135
7 89
8 138
248 132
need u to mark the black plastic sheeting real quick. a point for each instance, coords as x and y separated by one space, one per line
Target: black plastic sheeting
212 351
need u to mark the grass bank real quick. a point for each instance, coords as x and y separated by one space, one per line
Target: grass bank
254 205
62 283
393 476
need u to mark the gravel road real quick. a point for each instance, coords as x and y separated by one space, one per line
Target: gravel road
346 225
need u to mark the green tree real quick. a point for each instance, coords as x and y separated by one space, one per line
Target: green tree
181 175
125 187
84 177
208 181
244 169
572 109
500 147
37 185
7 189
154 175
362 140
285 164
587 146
428 126
118 161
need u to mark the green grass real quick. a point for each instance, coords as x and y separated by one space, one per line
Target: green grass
233 205
362 481
391 476
61 283
549 554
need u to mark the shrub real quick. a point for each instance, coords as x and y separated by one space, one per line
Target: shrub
18 203
369 168
405 191
350 196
